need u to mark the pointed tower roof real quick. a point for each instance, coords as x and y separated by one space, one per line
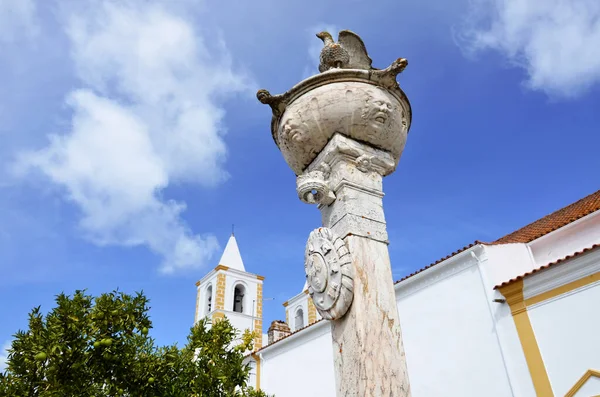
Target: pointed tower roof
231 256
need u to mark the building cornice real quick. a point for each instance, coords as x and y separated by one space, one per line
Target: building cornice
220 268
447 268
568 272
295 299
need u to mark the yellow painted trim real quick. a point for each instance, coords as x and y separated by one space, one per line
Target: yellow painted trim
258 319
219 303
257 359
221 267
588 374
260 277
312 311
563 289
285 304
539 376
197 283
218 316
305 291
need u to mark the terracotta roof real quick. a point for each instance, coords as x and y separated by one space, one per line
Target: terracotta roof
574 255
554 221
440 260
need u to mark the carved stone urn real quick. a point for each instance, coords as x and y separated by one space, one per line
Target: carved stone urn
365 105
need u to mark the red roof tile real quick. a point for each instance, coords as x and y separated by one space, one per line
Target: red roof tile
574 255
554 221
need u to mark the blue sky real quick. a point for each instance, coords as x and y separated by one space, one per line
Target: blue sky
131 139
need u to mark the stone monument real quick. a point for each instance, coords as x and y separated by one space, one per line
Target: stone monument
341 131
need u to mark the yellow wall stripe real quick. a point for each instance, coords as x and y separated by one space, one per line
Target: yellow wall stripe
588 374
563 289
257 359
514 297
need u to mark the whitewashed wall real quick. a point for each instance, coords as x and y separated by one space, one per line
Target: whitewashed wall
301 366
567 326
451 345
498 264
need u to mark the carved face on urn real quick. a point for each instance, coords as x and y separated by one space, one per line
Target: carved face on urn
376 111
295 131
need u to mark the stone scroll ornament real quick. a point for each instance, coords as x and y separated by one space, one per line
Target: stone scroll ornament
329 273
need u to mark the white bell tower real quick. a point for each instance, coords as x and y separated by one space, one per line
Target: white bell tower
230 291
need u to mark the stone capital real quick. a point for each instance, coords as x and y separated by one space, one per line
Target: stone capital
345 180
359 155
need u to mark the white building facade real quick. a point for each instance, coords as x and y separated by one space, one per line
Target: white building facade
516 317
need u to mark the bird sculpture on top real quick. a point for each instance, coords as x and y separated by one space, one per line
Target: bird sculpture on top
348 53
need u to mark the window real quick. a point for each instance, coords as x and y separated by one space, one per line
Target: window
299 322
208 299
238 298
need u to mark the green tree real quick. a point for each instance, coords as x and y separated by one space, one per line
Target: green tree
93 347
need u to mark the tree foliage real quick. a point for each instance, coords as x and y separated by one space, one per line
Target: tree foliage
101 346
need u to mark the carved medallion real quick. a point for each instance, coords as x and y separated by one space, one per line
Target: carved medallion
329 273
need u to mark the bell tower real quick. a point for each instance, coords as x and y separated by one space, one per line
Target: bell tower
230 291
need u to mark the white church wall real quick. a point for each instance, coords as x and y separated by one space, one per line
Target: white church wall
583 233
448 332
503 262
566 330
499 263
566 325
240 321
300 365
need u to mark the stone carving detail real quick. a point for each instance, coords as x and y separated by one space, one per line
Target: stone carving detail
364 163
329 273
313 188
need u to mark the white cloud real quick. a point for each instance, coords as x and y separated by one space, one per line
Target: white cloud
4 356
17 19
146 118
556 41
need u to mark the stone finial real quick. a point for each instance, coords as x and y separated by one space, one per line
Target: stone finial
278 329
